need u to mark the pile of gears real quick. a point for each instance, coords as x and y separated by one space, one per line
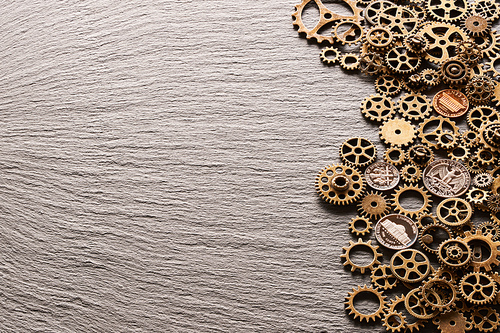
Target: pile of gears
440 59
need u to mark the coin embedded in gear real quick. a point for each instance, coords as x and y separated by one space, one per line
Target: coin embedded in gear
397 132
339 184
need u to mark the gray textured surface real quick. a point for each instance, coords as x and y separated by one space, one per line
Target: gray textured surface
157 169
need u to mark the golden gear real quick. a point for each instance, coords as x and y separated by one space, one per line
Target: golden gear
409 327
470 138
438 125
460 231
446 140
339 184
443 39
495 173
420 155
348 32
494 203
410 265
414 83
427 202
480 90
489 135
477 242
439 294
354 225
399 20
489 227
446 274
476 25
459 153
400 60
373 10
486 8
416 43
394 155
411 173
388 85
373 205
489 44
394 321
469 52
423 220
431 77
397 132
485 157
473 166
454 71
485 319
482 180
492 65
349 61
326 16
419 10
428 236
496 93
481 115
371 63
452 322
447 10
361 244
372 316
477 196
379 38
416 306
454 212
495 217
329 55
358 152
414 106
378 108
383 278
478 288
454 254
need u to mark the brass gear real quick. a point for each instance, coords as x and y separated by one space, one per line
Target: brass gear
399 20
447 10
487 8
454 71
397 132
459 153
372 316
414 83
420 155
477 196
485 319
414 106
339 184
439 294
383 278
492 65
482 180
468 51
427 202
490 227
438 125
454 212
356 229
489 44
428 236
379 38
378 108
493 203
394 155
373 205
454 254
416 43
425 219
478 288
349 61
443 39
358 152
394 321
409 327
473 166
348 32
453 321
416 306
410 265
477 242
372 11
388 85
326 16
400 60
470 138
476 25
496 93
361 244
431 77
489 135
411 173
371 63
485 157
329 55
480 115
447 140
480 90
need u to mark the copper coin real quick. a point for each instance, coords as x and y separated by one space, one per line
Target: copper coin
446 178
382 176
396 231
450 103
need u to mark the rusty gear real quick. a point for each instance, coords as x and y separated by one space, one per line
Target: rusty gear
361 244
469 52
489 135
339 184
373 205
371 63
372 316
397 132
494 203
486 8
485 319
452 322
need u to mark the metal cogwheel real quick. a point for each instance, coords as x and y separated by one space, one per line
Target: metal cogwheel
485 251
397 132
414 83
363 245
492 65
439 294
459 153
400 60
485 157
358 152
426 198
454 71
433 126
473 166
371 63
411 173
482 180
489 44
399 20
379 38
329 55
349 61
394 155
486 8
432 235
414 106
372 11
452 321
410 265
431 77
420 155
493 203
373 205
446 140
470 138
490 227
480 115
360 226
443 39
454 212
339 184
478 288
447 10
388 85
366 290
378 108
348 32
326 16
416 306
477 196
476 25
394 321
416 43
485 319
468 51
454 254
383 278
489 135
480 90
399 303
424 220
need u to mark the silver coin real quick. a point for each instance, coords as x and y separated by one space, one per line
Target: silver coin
382 176
446 178
396 231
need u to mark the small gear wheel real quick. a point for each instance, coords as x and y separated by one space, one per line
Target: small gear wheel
360 225
439 294
365 290
378 108
482 180
485 157
476 25
394 155
339 184
432 235
478 288
329 55
383 278
489 227
358 152
453 253
420 155
459 153
473 166
410 265
373 205
469 52
426 219
411 173
379 39
363 245
477 196
414 106
394 321
480 90
388 85
446 140
416 43
371 63
489 135
397 132
430 77
400 60
414 83
486 8
349 61
405 189
454 71
485 319
470 138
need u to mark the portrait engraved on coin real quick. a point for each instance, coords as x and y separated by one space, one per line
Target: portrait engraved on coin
382 176
446 178
396 231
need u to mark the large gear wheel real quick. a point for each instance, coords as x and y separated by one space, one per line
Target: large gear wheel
480 115
378 108
373 205
443 39
439 294
434 126
416 306
426 198
358 152
339 184
414 106
388 85
364 245
367 290
478 288
399 20
410 265
383 278
372 11
397 132
326 16
400 60
447 10
485 319
454 212
485 251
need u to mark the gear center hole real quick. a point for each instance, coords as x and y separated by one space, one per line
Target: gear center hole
361 255
366 303
411 200
398 131
374 204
